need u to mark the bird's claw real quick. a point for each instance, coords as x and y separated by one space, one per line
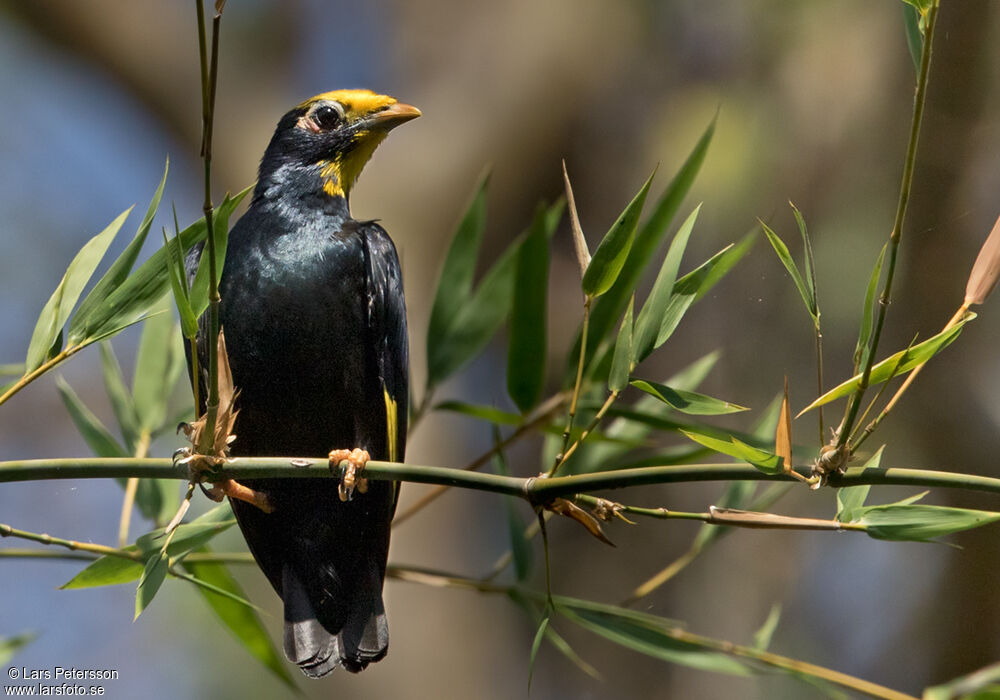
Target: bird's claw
351 478
198 465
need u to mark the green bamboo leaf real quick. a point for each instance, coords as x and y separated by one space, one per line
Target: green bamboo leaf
198 293
527 357
191 535
690 402
609 307
10 645
554 637
914 38
153 574
241 620
762 637
150 390
805 290
536 644
457 273
121 400
609 258
57 309
131 300
179 287
106 571
655 641
897 364
862 349
98 438
920 523
621 361
120 268
851 498
810 275
480 316
763 460
650 319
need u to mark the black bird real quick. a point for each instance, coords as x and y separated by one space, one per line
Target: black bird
315 324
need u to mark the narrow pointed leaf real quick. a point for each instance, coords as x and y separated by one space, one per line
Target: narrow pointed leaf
120 268
478 411
986 269
579 242
609 258
786 259
783 432
920 523
132 300
106 571
101 442
914 40
650 319
621 361
199 292
526 358
178 284
241 620
765 461
121 400
810 275
455 282
690 402
536 644
153 574
609 307
479 317
762 637
868 313
897 364
655 642
59 306
149 384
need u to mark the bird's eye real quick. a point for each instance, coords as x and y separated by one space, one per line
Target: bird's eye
327 116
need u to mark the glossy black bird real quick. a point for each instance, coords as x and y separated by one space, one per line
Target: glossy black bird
315 324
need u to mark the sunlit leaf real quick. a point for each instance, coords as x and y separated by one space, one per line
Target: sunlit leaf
897 364
609 258
650 318
919 522
862 349
690 402
761 459
10 645
107 571
621 361
609 307
786 259
57 309
153 574
149 383
121 400
120 268
527 357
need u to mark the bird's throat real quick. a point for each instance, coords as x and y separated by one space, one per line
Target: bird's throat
340 173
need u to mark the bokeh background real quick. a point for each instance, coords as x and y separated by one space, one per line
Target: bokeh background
815 101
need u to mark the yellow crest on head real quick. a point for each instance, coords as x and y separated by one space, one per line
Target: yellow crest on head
356 103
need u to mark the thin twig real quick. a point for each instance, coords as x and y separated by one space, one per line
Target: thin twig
897 227
576 387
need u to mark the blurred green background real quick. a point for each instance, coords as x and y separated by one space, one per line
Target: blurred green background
815 102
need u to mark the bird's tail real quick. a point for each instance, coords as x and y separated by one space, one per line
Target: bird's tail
362 639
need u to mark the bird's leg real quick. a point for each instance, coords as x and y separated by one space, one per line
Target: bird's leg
199 465
356 460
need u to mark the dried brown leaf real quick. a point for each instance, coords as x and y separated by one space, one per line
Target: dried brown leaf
579 242
571 510
783 433
986 269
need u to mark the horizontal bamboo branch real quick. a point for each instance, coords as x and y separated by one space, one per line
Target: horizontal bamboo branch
534 489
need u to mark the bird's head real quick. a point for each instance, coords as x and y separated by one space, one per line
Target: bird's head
325 142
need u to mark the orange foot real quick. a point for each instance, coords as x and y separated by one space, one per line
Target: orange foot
199 465
356 460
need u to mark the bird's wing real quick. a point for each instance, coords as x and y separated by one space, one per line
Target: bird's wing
387 325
